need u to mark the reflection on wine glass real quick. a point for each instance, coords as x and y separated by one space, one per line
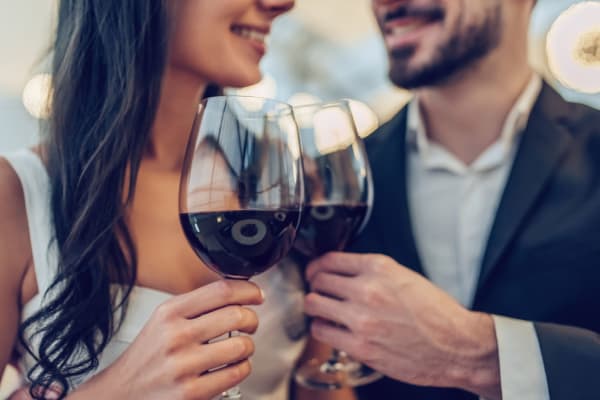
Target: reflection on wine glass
242 189
339 196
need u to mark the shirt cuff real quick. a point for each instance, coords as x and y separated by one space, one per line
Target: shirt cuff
522 373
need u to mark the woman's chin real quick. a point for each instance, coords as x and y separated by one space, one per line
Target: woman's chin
243 76
242 83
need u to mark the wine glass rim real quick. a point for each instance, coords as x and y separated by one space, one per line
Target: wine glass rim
330 103
258 98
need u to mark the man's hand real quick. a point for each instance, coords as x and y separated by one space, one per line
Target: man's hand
397 322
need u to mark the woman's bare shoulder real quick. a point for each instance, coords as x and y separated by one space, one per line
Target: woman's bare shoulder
15 249
15 253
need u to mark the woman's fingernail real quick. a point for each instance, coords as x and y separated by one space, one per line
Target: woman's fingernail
262 294
52 393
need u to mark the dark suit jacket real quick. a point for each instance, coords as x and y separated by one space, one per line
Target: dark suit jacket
542 261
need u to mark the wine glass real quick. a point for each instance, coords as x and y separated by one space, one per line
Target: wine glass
339 197
241 190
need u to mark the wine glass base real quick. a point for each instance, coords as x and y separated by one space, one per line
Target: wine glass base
331 375
232 394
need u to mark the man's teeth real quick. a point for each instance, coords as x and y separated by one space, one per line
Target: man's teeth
251 34
401 30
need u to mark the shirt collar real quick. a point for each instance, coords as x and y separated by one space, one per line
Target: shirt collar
514 124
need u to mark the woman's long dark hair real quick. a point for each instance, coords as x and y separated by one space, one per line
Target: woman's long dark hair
108 62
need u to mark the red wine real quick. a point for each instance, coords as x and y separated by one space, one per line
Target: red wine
328 227
241 244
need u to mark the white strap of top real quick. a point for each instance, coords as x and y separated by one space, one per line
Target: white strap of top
36 189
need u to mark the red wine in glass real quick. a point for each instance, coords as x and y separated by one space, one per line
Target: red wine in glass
328 227
241 244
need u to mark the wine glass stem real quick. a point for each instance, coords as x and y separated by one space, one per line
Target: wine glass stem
332 364
234 393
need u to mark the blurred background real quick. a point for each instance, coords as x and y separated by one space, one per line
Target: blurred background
316 52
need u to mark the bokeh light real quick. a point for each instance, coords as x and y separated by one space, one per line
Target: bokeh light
364 117
36 96
573 47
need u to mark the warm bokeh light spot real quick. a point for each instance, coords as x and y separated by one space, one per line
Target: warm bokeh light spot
573 47
36 96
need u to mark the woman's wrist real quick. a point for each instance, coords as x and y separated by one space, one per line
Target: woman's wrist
101 386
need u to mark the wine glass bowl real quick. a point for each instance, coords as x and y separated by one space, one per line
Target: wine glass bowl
242 185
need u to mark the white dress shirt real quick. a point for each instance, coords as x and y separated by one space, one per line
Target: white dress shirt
452 207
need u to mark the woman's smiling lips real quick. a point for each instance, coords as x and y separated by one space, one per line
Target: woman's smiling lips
256 36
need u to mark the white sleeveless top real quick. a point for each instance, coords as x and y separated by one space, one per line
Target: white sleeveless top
279 340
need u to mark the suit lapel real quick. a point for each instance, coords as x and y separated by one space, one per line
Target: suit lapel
391 216
543 145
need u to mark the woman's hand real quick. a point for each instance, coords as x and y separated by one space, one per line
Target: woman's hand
171 357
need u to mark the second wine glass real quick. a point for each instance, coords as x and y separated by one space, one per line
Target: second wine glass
339 196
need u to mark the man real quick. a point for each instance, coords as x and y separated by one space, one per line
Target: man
488 183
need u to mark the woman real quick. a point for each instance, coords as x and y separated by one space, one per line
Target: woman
90 218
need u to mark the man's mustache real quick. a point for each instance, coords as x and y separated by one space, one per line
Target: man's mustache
430 14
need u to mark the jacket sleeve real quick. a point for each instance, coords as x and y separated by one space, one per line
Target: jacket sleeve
571 361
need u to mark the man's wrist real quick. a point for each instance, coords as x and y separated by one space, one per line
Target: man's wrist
476 366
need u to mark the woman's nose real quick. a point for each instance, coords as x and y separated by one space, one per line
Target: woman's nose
277 7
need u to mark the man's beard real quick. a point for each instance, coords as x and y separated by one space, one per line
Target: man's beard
460 52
